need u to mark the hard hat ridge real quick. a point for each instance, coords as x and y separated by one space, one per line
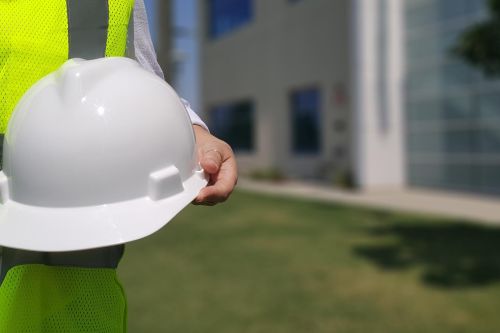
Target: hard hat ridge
76 80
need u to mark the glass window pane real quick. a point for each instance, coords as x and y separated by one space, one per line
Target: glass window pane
488 141
305 106
440 109
489 176
489 106
227 15
234 123
458 176
426 174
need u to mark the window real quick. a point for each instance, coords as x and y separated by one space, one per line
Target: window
452 109
228 15
234 123
305 121
421 13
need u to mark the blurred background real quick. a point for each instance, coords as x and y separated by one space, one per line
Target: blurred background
368 139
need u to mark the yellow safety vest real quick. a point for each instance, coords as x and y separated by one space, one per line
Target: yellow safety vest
36 37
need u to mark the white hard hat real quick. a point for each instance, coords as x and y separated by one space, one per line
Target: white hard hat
98 153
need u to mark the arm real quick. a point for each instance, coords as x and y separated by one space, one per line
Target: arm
216 157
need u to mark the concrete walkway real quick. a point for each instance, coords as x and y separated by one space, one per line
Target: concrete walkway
446 204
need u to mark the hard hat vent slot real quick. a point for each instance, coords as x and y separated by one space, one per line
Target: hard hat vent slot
165 183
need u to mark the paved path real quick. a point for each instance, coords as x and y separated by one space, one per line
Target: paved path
446 204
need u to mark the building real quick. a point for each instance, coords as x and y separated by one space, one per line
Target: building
351 89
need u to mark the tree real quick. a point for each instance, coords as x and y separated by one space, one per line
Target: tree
479 45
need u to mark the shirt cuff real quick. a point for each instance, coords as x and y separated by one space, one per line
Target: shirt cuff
195 119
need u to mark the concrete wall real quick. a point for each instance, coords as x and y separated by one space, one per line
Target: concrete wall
378 83
284 48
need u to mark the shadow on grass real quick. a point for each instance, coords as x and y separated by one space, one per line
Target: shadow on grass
449 255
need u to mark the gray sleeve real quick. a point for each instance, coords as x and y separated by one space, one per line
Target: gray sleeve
145 53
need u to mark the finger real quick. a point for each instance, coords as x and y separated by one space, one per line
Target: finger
223 184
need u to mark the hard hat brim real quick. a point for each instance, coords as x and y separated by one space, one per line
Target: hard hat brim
72 229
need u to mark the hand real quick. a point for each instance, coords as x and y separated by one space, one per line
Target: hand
217 159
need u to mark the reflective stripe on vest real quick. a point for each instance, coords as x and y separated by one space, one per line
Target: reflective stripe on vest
87 28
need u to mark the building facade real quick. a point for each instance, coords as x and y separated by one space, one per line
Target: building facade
275 79
351 89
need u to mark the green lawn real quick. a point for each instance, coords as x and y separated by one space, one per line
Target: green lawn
273 265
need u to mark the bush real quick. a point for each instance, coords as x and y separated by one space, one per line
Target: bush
271 174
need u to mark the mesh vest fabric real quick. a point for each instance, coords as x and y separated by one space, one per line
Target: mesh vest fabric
33 43
41 298
119 17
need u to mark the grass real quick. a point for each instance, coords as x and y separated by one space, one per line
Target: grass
267 264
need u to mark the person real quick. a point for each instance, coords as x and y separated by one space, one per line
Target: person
216 156
79 291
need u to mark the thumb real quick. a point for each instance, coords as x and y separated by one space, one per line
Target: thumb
210 160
